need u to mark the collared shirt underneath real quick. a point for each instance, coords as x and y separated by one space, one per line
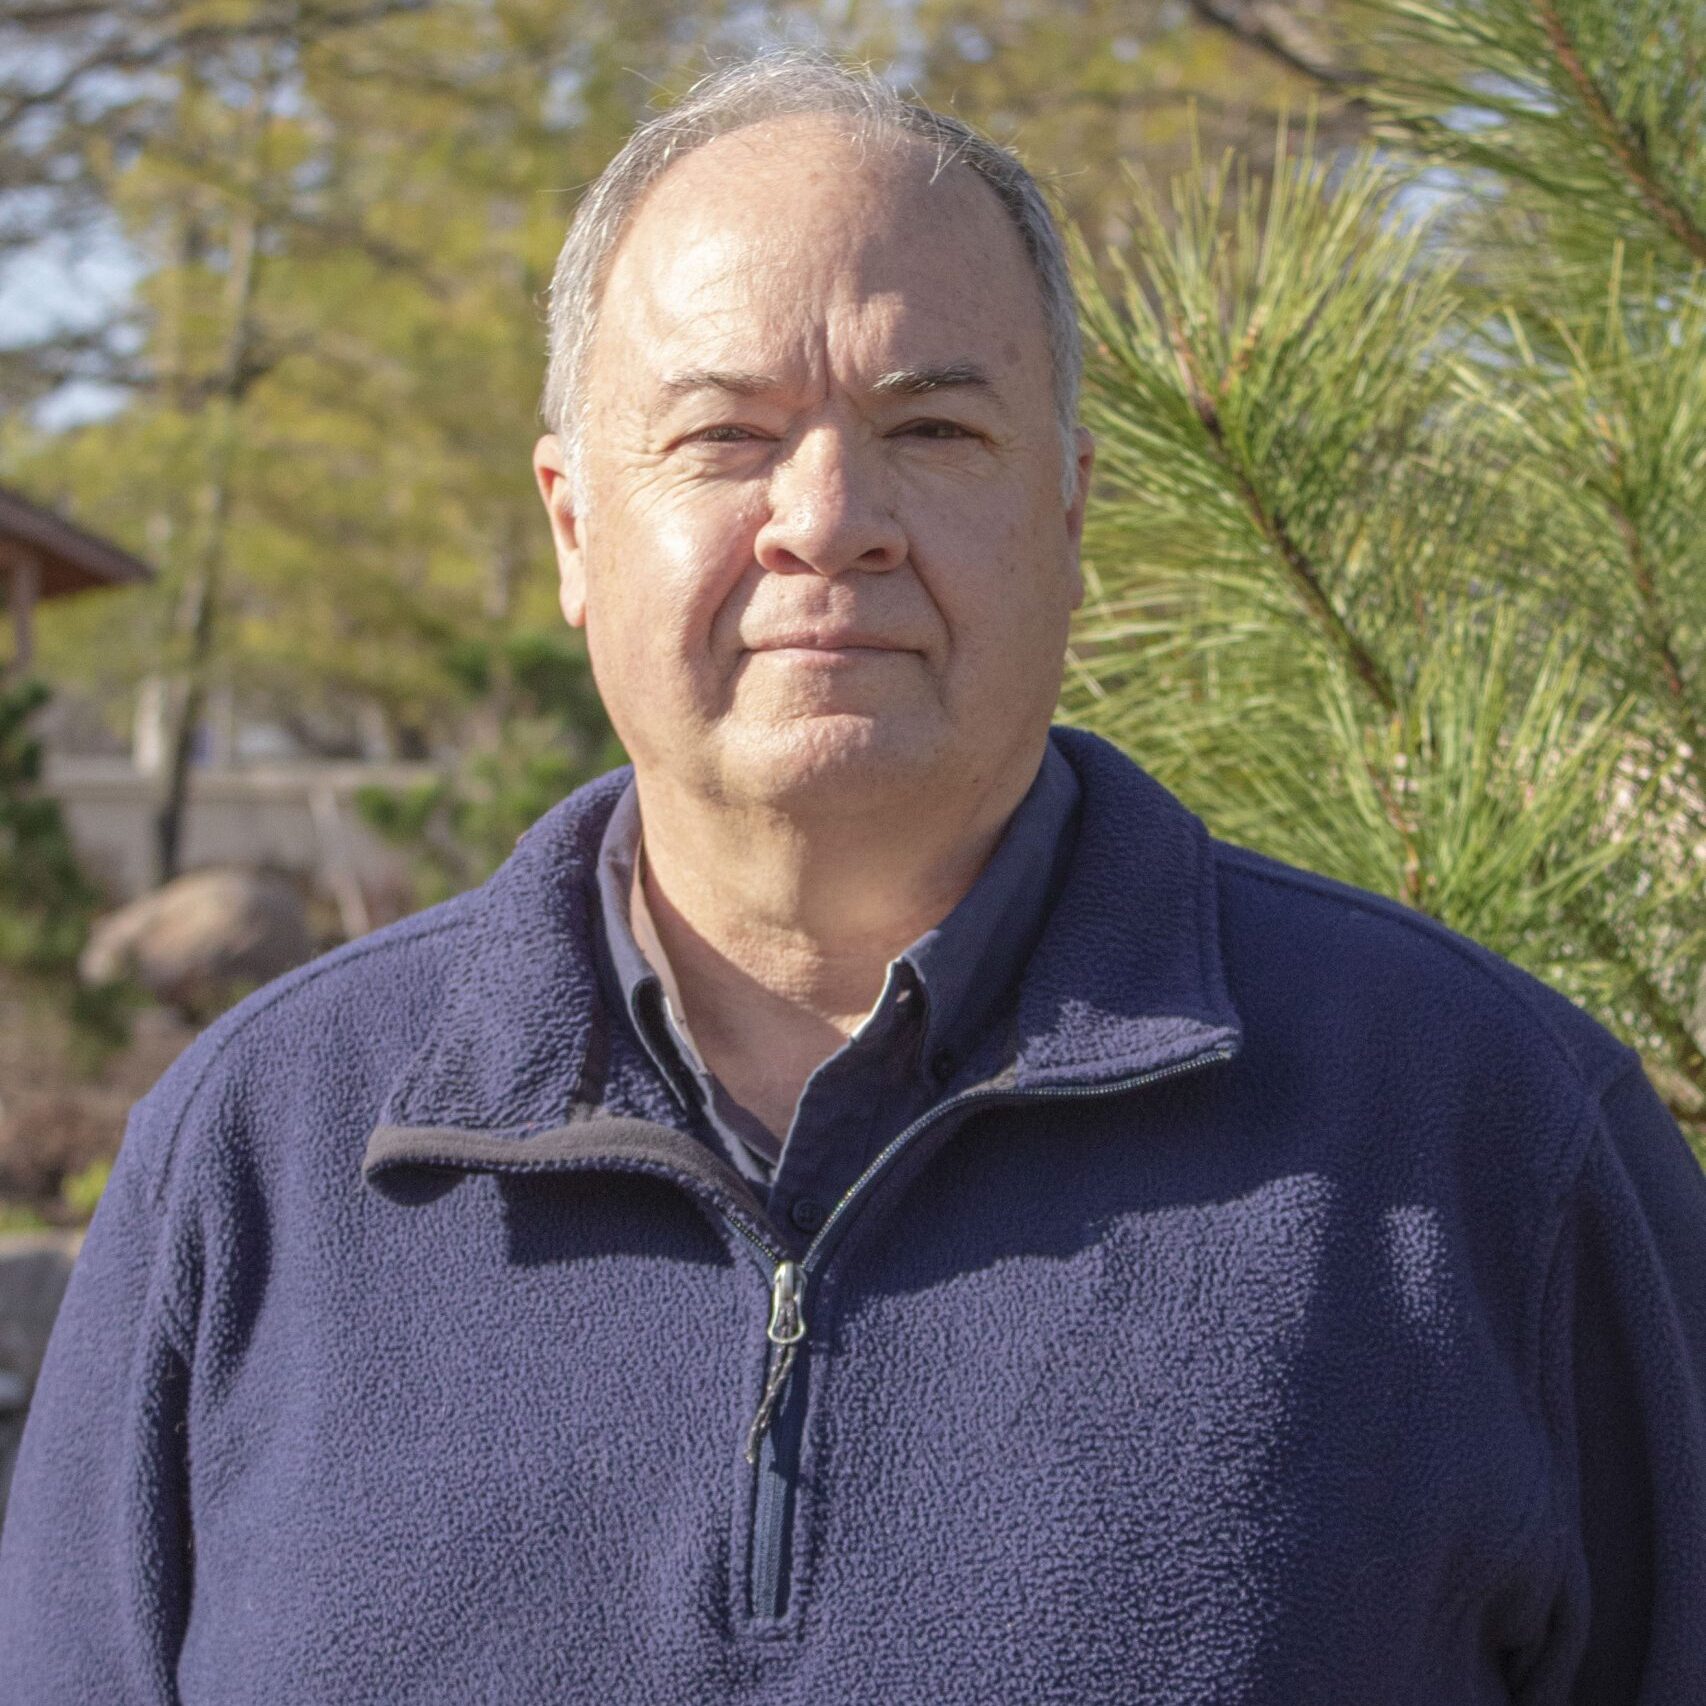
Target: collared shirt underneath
942 1000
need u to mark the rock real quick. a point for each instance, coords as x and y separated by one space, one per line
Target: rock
202 939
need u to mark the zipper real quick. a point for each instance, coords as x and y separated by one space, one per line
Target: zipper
786 1329
774 1459
774 1452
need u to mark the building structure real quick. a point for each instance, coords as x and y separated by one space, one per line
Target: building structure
42 555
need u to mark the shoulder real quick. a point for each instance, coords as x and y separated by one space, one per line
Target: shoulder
317 1043
1376 968
1412 1064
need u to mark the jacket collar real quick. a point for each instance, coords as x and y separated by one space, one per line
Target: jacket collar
1125 979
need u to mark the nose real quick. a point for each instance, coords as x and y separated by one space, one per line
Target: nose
828 509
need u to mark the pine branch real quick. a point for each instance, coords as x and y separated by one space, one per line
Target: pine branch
1271 524
1672 1028
1629 151
1554 102
1657 631
1614 452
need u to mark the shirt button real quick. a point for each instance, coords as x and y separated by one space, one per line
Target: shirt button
807 1214
942 1065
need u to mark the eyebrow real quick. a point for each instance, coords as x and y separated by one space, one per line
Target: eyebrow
902 382
741 384
917 381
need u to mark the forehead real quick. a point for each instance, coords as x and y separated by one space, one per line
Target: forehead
794 233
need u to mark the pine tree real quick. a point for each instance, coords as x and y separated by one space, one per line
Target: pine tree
1397 560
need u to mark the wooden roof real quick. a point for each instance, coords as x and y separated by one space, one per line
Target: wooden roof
70 559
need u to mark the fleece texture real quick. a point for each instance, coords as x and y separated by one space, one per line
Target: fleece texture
1304 1308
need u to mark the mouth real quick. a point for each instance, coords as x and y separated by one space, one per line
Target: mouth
826 655
839 646
827 642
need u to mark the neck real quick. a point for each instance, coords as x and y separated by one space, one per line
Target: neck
782 927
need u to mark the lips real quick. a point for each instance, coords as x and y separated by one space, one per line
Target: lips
831 640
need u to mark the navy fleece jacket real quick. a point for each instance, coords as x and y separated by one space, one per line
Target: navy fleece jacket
1299 1306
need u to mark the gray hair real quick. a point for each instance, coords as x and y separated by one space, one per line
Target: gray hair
784 83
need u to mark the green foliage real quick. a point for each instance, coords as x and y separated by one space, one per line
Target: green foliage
551 737
1399 579
20 1217
81 1193
1587 113
342 448
1080 88
79 1196
45 900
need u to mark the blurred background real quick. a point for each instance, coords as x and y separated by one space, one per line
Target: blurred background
1396 357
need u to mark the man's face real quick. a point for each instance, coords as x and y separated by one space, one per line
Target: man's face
826 559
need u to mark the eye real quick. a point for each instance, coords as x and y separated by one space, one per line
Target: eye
935 429
727 434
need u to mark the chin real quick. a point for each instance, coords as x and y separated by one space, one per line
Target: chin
831 760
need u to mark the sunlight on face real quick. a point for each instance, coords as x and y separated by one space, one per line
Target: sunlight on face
826 559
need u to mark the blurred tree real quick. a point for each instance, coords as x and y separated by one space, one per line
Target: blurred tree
459 826
46 901
348 218
1396 555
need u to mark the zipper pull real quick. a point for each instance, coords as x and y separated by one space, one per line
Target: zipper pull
787 1328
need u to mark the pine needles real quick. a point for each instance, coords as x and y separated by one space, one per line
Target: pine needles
1396 557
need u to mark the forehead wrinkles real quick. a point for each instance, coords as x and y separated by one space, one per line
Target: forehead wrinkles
749 299
753 250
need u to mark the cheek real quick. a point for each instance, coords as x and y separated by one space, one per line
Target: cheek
662 578
999 574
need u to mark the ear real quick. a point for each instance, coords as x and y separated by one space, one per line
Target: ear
553 482
1086 464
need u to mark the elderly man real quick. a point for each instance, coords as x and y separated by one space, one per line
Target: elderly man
872 1204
